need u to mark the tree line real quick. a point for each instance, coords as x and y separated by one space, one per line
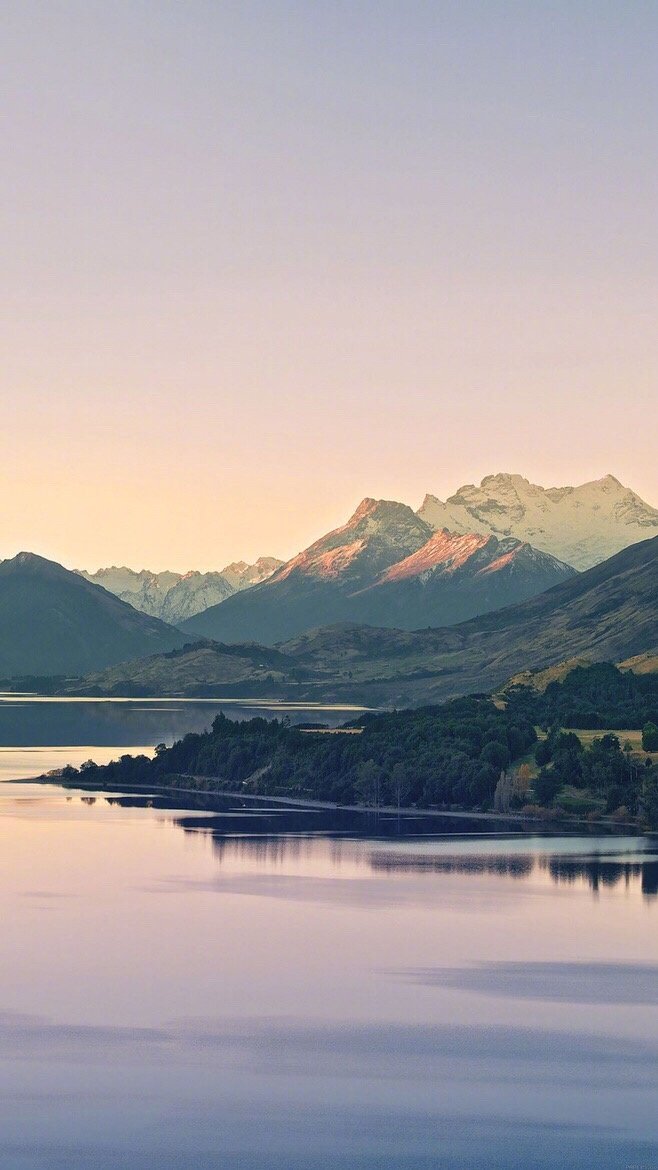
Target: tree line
446 755
469 753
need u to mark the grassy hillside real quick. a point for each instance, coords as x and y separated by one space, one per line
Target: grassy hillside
199 668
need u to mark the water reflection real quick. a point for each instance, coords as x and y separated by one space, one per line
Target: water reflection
561 982
185 986
272 837
600 873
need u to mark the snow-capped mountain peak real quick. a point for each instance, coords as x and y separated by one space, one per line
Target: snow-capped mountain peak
174 597
445 551
378 534
580 525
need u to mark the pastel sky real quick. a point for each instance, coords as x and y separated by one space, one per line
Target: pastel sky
261 259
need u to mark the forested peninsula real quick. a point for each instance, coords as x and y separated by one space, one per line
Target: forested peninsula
471 754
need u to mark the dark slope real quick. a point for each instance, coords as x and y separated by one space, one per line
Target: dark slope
384 567
314 587
199 668
53 621
609 612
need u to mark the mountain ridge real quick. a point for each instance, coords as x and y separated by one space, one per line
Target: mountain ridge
174 597
580 525
607 613
53 621
384 566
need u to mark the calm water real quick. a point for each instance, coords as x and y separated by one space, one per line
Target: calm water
39 734
260 989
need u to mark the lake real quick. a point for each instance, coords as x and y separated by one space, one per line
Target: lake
210 984
39 734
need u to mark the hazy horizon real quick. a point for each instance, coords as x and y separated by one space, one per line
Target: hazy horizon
263 260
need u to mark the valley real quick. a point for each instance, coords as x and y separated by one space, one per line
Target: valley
609 613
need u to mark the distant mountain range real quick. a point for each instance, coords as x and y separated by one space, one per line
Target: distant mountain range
386 566
334 580
173 597
483 550
580 525
53 621
609 612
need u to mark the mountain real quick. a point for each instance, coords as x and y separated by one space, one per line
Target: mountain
173 597
455 577
385 566
241 575
608 613
580 525
199 668
53 621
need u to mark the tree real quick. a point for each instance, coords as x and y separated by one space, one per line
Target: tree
567 741
521 784
496 754
368 783
546 786
649 799
650 737
543 752
503 793
400 784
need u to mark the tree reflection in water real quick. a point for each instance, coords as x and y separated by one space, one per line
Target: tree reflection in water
271 836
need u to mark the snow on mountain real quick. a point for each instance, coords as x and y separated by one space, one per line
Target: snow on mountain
445 552
384 567
580 525
241 575
455 576
174 597
377 535
577 526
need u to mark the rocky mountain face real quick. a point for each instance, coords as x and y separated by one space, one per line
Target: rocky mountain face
455 577
608 613
174 597
580 525
386 566
240 575
567 526
53 621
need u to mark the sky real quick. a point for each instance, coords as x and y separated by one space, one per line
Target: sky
263 259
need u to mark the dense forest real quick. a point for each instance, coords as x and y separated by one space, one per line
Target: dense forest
591 697
607 775
470 753
447 755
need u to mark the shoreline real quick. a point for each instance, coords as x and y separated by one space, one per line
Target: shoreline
331 806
